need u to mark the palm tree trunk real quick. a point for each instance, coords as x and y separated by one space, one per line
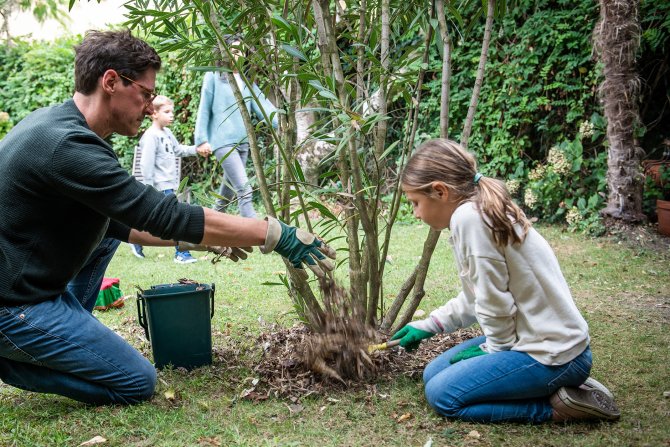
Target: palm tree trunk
617 38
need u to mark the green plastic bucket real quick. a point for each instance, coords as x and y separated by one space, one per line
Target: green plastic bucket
177 321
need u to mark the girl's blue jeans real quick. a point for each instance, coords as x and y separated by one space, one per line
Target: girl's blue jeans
58 346
508 386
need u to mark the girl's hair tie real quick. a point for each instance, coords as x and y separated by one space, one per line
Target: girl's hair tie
477 177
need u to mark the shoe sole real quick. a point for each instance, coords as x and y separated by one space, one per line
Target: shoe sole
593 384
593 402
190 261
136 254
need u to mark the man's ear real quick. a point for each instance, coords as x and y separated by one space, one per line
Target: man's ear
110 80
441 190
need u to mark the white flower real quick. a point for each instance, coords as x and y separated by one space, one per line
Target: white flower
530 199
513 186
559 161
586 129
537 173
573 216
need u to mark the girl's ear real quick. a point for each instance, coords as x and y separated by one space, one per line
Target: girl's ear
440 189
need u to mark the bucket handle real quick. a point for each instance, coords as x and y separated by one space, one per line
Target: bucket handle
141 316
211 301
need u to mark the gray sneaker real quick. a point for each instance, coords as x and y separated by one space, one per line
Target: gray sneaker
573 404
593 384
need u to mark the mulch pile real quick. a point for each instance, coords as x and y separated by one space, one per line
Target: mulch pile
282 371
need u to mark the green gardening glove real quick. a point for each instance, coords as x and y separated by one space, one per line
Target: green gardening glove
298 246
472 351
411 336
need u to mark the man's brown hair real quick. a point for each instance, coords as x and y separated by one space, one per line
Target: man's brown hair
116 50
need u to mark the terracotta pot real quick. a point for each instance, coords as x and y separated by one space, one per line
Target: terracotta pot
652 168
663 212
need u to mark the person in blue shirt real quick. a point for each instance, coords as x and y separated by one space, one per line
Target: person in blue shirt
219 128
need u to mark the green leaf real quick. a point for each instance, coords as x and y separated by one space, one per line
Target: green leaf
328 94
324 211
298 171
293 51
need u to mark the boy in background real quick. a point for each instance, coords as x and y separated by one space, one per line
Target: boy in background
159 148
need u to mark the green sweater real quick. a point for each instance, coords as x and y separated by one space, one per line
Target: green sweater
60 186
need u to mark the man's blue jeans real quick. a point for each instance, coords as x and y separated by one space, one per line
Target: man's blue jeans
86 285
507 386
58 346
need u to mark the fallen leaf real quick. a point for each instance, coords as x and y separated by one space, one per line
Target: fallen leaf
404 417
169 394
94 441
203 404
474 434
213 442
295 408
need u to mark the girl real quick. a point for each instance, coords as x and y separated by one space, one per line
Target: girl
534 354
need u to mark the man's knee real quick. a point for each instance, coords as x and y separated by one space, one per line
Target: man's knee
144 385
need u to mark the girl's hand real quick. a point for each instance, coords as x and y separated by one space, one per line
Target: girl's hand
472 351
410 336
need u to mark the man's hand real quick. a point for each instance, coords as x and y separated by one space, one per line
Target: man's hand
472 351
232 253
298 246
410 336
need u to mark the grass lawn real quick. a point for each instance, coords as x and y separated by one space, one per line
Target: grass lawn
622 290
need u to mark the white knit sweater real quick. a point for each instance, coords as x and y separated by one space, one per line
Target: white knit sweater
516 293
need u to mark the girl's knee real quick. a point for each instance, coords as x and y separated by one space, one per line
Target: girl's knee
439 398
429 372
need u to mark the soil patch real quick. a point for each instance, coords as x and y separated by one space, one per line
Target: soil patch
638 236
283 372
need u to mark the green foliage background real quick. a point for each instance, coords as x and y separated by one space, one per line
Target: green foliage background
540 88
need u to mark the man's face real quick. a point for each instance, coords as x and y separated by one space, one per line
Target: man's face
133 103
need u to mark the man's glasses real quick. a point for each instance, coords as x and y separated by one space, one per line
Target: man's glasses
149 95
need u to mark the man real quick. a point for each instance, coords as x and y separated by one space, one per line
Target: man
62 192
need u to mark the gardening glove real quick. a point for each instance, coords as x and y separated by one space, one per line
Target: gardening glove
410 336
232 253
472 351
298 246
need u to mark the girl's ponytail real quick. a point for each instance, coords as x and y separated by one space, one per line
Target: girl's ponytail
502 213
